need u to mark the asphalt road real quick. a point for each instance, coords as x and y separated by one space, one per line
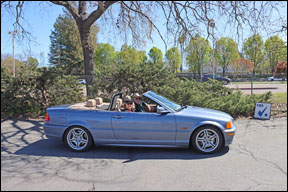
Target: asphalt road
265 87
259 88
257 160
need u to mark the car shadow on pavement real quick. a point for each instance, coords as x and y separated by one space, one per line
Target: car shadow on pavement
54 148
15 134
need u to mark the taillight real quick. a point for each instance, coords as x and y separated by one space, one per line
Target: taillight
47 118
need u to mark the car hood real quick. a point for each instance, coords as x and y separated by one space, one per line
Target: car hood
205 113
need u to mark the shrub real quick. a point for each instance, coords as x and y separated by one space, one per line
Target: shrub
212 94
35 89
150 76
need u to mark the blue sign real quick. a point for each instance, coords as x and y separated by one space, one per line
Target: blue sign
262 110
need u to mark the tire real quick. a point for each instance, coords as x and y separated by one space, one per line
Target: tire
78 139
226 82
207 140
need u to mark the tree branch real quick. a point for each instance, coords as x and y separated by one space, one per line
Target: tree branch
140 13
69 6
98 12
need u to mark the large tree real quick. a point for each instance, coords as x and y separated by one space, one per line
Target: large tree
241 65
65 49
253 49
174 59
7 64
84 21
226 52
275 51
197 54
155 55
105 56
135 17
128 55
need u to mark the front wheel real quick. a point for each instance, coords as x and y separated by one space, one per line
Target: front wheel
78 139
207 140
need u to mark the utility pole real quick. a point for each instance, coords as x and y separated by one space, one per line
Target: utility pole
212 24
13 37
254 46
181 40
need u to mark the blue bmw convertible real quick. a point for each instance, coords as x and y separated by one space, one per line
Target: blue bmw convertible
83 125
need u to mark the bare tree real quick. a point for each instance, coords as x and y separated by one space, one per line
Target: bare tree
181 17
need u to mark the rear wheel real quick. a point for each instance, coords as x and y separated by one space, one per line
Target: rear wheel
207 140
78 139
226 82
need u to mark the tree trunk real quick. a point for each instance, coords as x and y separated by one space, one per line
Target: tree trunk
88 52
199 70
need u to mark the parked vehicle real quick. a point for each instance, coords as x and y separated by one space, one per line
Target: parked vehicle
169 125
272 78
82 81
217 77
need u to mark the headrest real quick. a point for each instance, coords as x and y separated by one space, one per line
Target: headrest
91 103
99 100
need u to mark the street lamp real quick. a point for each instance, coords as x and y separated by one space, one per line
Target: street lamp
212 24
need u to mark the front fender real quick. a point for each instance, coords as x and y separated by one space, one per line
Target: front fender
184 136
199 124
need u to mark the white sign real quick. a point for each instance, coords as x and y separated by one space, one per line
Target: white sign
262 110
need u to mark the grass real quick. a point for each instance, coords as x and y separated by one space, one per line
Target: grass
279 98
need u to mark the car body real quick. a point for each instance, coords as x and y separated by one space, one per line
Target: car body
171 125
82 81
217 77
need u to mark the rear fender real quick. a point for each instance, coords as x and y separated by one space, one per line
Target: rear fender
79 123
75 124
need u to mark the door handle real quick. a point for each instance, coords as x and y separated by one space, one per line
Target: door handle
118 117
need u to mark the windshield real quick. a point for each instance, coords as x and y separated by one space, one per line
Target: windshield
166 101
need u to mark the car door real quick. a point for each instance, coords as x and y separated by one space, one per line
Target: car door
144 128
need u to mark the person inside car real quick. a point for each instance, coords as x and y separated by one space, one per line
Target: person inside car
140 106
128 104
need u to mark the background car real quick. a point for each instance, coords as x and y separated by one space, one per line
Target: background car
270 78
82 81
217 77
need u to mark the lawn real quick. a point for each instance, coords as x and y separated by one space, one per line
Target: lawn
279 98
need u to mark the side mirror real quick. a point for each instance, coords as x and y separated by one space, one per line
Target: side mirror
162 110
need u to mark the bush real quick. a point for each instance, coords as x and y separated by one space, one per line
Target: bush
212 94
35 89
151 76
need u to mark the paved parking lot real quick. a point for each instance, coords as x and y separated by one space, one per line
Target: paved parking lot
257 160
259 88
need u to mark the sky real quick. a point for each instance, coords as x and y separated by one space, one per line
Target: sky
40 18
